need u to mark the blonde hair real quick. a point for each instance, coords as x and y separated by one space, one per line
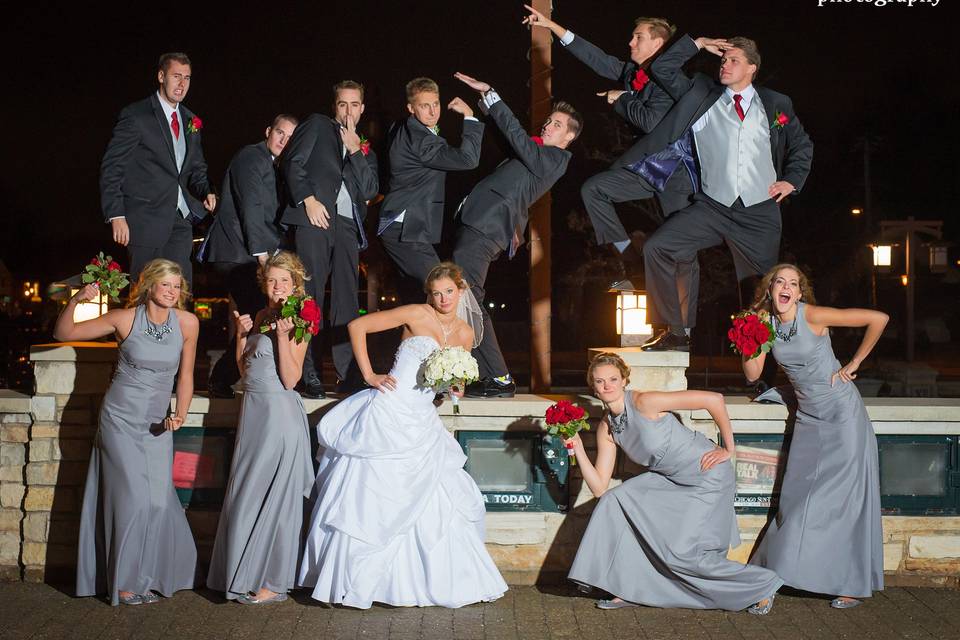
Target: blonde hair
419 85
289 262
152 273
445 269
761 296
608 358
659 27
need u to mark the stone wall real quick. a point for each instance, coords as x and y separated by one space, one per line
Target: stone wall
46 442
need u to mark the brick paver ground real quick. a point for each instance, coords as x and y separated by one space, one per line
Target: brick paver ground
41 611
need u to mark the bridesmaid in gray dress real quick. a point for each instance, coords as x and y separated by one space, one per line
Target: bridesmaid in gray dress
661 538
826 537
258 538
135 542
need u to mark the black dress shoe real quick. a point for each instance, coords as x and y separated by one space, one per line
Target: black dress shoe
490 388
313 389
666 340
217 390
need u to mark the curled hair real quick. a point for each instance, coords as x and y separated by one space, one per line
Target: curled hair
659 27
445 270
575 122
347 84
152 273
419 85
750 51
607 358
761 296
174 56
289 262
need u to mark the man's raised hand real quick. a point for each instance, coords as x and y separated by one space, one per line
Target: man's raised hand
716 46
460 107
349 136
473 83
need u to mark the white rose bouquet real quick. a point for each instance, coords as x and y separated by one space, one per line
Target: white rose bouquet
449 368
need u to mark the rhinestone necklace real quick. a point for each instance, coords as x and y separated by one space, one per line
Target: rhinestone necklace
786 337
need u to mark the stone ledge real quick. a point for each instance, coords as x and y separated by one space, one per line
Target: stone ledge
74 352
13 402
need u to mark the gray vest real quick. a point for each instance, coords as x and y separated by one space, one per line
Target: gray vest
180 151
344 202
735 157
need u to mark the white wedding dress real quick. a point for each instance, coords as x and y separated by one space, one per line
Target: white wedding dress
396 519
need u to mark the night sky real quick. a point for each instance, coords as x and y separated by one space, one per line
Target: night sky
853 70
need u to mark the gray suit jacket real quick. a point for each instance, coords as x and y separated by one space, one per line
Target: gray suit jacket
497 206
419 161
246 220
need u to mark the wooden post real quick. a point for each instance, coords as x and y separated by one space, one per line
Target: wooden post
540 312
911 276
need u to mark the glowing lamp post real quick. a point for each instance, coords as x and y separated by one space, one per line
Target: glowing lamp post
882 256
632 326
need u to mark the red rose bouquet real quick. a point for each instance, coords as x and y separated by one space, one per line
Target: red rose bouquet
304 312
107 274
565 419
751 334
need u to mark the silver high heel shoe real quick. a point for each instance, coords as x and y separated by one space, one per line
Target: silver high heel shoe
845 603
614 604
759 610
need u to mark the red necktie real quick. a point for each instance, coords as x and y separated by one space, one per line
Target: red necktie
737 98
175 124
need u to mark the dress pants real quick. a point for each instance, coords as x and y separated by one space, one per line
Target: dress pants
474 252
177 247
413 259
601 191
241 281
752 233
332 254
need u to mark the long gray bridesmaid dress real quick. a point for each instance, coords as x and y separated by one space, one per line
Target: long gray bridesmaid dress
661 538
258 537
134 535
826 536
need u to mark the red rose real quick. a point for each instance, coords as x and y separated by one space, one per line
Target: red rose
538 140
197 123
640 80
95 262
365 147
113 266
748 347
309 311
314 328
782 119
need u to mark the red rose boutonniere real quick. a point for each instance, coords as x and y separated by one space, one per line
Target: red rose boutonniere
195 125
640 80
537 140
364 146
779 119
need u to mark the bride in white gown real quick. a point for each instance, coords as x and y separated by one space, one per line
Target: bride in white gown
396 519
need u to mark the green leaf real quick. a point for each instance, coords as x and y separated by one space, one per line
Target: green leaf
87 278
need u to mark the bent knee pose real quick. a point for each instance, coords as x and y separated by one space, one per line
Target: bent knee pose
826 537
661 538
135 542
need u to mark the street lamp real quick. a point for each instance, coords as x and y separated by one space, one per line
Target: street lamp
938 257
856 211
90 309
632 325
882 256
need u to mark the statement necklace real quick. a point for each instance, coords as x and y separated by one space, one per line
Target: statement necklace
156 331
786 337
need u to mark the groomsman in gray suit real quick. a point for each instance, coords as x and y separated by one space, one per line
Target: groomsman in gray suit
411 216
244 232
752 152
153 176
330 174
493 218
